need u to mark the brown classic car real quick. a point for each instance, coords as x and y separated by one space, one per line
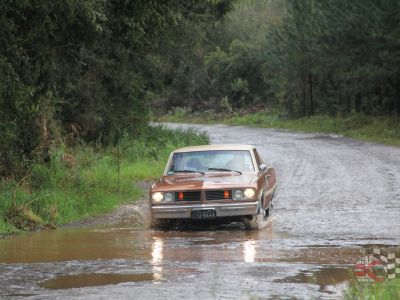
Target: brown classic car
214 181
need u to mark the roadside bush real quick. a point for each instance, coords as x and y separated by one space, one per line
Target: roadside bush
41 177
386 290
181 112
60 191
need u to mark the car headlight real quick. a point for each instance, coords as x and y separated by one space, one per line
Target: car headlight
237 195
249 193
157 197
243 194
168 197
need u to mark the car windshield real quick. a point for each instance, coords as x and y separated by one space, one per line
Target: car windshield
211 161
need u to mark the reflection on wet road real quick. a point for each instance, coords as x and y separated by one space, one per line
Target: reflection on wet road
249 251
336 197
157 257
96 279
149 263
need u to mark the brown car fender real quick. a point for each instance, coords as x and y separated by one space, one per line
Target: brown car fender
261 201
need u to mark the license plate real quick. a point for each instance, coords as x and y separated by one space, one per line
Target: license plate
203 214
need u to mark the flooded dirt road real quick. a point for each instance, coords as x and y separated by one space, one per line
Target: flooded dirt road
336 198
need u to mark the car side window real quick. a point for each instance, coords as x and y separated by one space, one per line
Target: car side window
258 158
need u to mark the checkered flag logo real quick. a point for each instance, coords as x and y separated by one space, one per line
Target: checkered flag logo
391 263
377 266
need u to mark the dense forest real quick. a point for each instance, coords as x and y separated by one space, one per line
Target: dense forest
82 70
302 57
94 70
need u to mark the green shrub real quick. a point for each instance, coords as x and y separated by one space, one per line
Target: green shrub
41 177
387 290
181 112
83 181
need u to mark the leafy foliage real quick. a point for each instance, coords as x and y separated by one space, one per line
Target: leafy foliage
303 57
88 70
81 181
80 69
338 57
387 290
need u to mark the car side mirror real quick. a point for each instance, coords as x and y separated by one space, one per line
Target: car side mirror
262 167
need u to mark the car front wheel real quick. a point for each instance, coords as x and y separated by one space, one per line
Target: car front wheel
253 222
160 223
258 221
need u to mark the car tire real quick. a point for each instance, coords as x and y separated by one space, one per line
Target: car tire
254 222
268 211
159 223
258 221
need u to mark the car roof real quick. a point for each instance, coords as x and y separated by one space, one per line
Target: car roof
215 147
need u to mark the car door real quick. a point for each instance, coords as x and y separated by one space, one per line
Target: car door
271 182
267 176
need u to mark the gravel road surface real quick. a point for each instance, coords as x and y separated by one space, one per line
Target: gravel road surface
337 198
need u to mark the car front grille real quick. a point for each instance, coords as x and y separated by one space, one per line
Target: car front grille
188 196
218 195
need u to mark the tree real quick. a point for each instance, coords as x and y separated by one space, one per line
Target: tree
79 66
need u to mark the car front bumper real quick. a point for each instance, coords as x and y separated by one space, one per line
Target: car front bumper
221 209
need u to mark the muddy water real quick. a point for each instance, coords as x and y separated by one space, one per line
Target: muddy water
219 261
336 198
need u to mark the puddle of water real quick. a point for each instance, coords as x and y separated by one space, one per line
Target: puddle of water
324 277
98 279
73 244
116 243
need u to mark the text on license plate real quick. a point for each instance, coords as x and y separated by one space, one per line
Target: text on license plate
203 214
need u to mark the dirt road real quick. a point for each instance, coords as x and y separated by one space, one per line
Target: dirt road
336 197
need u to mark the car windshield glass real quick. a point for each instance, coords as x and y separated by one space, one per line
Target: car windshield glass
212 161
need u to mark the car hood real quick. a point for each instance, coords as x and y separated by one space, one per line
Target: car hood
207 181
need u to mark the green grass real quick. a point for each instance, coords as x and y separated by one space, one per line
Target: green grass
384 130
83 181
387 290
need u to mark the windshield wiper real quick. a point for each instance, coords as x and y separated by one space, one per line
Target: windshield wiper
187 171
224 170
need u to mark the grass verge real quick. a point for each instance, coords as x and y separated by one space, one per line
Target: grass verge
384 130
387 290
83 181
